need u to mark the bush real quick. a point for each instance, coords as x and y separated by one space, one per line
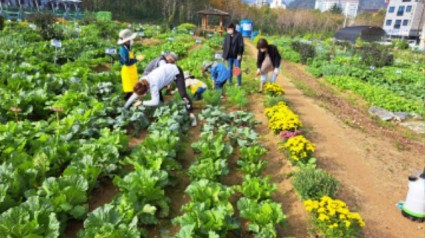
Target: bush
186 27
332 218
273 89
45 25
1 23
272 101
401 44
305 50
212 97
375 55
237 96
314 183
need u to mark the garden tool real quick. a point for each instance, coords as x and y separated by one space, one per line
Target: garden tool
414 206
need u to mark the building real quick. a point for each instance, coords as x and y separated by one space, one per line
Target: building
349 7
277 4
422 43
405 18
261 3
42 4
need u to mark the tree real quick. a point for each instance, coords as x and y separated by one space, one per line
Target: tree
335 9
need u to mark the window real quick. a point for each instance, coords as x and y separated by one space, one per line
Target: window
405 22
397 24
408 8
388 22
400 11
391 9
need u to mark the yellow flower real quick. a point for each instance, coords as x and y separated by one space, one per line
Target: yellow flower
347 224
323 217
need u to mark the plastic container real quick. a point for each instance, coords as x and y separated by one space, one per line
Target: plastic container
414 206
246 27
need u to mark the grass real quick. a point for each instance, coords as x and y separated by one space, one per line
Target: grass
308 91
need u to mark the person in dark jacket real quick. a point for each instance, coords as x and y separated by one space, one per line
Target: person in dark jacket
233 48
268 60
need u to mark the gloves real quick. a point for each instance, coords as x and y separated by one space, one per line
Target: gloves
276 71
138 103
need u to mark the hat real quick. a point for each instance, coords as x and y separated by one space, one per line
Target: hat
126 35
207 64
171 56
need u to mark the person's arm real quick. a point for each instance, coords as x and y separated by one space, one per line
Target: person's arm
181 87
260 59
241 45
277 59
154 96
214 73
130 101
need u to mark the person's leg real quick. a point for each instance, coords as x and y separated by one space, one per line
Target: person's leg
238 63
199 92
263 81
181 87
161 97
230 62
274 77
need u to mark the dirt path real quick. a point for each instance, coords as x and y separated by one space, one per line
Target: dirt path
278 168
369 163
373 171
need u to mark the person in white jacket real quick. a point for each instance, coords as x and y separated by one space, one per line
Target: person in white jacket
158 79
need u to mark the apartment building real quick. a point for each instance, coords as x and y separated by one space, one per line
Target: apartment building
405 18
349 7
277 4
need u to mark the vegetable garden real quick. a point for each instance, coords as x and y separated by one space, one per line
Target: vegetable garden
64 133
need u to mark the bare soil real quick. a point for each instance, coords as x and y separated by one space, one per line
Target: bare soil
372 161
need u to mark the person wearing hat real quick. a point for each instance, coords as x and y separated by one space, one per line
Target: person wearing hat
196 86
219 74
165 58
233 49
155 81
128 61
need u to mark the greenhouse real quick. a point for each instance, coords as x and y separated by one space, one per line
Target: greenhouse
366 33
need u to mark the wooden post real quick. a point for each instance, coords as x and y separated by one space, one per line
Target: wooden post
221 26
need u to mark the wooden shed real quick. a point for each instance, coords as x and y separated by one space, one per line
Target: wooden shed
205 14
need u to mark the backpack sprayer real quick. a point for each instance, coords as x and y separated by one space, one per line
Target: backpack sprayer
414 206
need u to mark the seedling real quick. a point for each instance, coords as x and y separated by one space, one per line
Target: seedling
16 111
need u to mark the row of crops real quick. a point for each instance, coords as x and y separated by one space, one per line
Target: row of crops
385 77
64 130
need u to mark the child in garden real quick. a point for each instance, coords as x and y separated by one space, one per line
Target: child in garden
219 74
128 61
196 86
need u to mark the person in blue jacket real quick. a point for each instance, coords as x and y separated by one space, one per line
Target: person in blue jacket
219 74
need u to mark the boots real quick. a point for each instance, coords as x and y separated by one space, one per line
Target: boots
194 122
